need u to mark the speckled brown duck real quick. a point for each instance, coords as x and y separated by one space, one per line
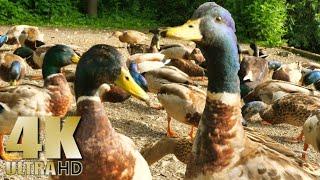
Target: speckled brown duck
53 99
184 103
221 149
291 109
106 154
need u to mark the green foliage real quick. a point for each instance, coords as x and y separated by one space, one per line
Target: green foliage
304 24
256 20
259 20
10 13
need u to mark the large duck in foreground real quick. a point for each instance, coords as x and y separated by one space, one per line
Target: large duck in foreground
221 149
53 99
106 154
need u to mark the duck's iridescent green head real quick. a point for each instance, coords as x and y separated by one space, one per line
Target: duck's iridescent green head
214 32
57 57
23 52
104 64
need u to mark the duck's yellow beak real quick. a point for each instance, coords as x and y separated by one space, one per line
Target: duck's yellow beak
188 31
126 82
75 58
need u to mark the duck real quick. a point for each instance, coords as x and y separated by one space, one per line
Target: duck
181 147
293 109
34 58
148 61
272 90
23 35
311 131
114 156
130 36
184 103
289 72
53 99
253 71
12 68
221 149
176 51
188 67
156 78
144 48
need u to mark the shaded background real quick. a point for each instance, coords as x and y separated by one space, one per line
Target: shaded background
269 22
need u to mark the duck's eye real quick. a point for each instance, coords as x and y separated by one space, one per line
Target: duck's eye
190 26
127 78
219 18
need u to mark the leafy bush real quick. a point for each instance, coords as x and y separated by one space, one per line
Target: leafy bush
304 24
259 20
256 20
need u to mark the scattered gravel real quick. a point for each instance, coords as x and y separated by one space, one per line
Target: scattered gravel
144 125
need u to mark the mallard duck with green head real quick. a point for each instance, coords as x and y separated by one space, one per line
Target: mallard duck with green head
221 149
35 57
53 99
12 68
106 154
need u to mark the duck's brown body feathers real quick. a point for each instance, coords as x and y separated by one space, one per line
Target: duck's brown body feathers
184 103
30 100
293 109
106 154
235 155
187 67
270 91
60 92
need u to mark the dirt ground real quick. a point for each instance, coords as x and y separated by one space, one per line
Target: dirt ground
144 125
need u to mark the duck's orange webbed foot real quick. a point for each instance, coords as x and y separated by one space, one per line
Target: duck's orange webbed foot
305 147
170 132
297 139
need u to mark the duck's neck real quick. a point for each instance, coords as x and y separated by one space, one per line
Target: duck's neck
60 92
48 70
220 133
94 122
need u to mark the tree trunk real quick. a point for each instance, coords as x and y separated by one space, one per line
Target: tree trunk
92 7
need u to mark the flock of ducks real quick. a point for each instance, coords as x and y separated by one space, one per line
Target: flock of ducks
239 86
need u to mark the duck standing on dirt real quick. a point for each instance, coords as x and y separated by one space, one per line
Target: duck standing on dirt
221 149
